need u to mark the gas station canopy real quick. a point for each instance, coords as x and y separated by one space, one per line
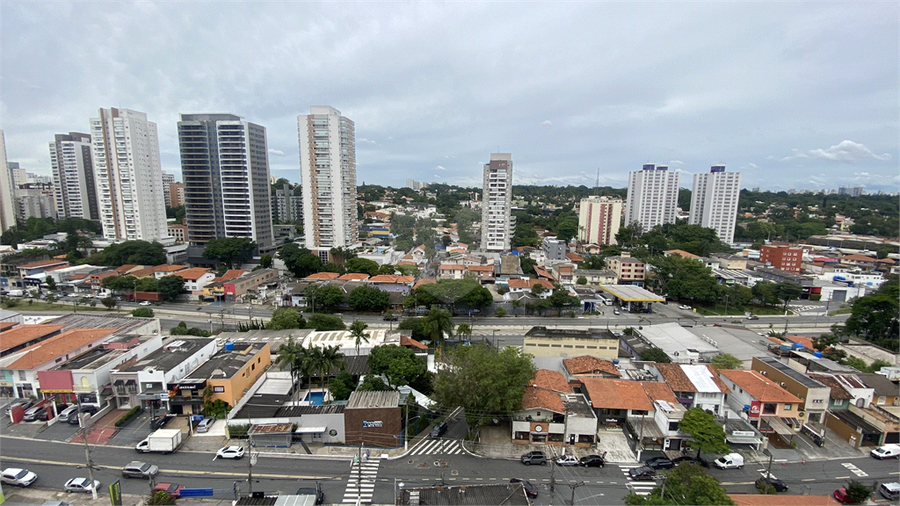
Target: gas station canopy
631 293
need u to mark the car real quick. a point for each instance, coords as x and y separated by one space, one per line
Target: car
889 451
659 463
568 460
25 403
205 424
890 491
438 430
316 491
840 495
84 409
390 318
616 311
139 469
775 483
643 473
593 461
34 413
534 457
689 459
81 485
530 490
684 306
752 317
230 452
17 477
173 489
158 422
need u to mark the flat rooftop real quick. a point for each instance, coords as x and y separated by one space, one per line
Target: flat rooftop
227 363
170 355
631 293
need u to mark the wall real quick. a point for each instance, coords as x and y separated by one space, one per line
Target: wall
607 349
357 433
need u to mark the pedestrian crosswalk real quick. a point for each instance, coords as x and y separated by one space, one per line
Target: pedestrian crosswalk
638 487
437 447
361 483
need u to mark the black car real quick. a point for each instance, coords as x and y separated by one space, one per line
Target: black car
158 422
775 483
593 461
688 459
316 491
530 489
534 457
73 419
643 473
438 430
660 463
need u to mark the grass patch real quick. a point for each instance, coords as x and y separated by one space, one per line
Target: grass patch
719 310
836 312
46 306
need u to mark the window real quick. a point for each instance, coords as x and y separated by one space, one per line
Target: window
219 389
787 407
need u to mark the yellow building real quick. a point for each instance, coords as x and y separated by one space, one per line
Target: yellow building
231 372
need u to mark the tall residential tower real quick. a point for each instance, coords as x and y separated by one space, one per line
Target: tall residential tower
497 225
125 155
714 201
328 176
73 176
225 169
652 196
599 220
7 192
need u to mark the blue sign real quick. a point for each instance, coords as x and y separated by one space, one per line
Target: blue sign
197 418
196 492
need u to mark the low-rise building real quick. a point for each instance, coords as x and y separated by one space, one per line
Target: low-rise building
814 395
761 401
230 373
695 386
629 270
374 419
544 342
553 414
236 288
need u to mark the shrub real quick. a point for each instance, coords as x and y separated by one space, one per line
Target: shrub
238 431
160 497
133 412
144 312
501 312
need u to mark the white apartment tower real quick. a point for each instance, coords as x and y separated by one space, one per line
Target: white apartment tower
74 184
652 196
497 225
7 192
127 172
599 220
714 201
168 181
328 177
225 169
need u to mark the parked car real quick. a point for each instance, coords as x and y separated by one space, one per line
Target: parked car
34 413
534 457
231 452
730 461
81 485
66 413
777 484
568 460
17 477
752 317
593 461
25 403
530 490
890 491
390 318
438 430
660 463
690 459
205 424
315 491
840 495
890 451
139 469
84 409
173 489
158 422
616 311
643 473
145 303
684 306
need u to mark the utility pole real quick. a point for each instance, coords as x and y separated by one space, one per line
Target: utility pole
250 462
359 466
406 429
573 486
768 469
87 450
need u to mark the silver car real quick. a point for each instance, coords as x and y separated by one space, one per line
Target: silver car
138 469
17 477
81 485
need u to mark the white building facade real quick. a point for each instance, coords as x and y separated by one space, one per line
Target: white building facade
7 192
714 201
73 176
128 175
497 225
599 220
652 196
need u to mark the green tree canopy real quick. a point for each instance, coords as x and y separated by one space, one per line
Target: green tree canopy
372 383
685 484
170 286
437 323
369 298
328 296
415 325
323 322
362 265
726 361
230 250
655 355
119 284
143 312
134 252
358 333
454 291
148 284
875 317
300 261
399 365
684 278
342 386
706 434
284 318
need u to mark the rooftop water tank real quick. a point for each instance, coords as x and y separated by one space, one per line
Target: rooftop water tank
229 346
817 354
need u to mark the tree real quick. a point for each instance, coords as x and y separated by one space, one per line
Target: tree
875 317
685 278
706 434
160 497
148 284
415 325
764 293
327 296
464 330
300 261
566 230
266 261
437 323
372 383
109 302
787 291
858 493
685 484
342 386
582 280
358 333
230 250
560 299
323 322
285 318
292 355
362 265
119 284
726 361
328 358
655 355
143 312
369 298
454 291
51 283
483 380
134 252
399 365
170 286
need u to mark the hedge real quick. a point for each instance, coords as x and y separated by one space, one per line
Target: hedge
133 412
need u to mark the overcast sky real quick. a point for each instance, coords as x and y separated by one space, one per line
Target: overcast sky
793 95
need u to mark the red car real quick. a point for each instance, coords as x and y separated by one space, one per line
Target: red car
173 489
840 495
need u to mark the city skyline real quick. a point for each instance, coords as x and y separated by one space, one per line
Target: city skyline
792 95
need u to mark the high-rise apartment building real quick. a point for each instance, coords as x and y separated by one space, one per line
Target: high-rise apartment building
328 176
652 196
286 206
74 183
36 201
714 201
599 220
168 180
128 175
176 194
497 225
7 191
780 256
18 174
225 172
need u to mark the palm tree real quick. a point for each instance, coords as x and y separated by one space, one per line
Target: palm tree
329 358
290 355
464 330
436 323
358 333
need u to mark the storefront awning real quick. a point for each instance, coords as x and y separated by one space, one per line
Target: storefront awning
778 426
310 430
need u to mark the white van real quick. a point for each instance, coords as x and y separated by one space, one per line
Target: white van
730 461
891 451
68 412
890 491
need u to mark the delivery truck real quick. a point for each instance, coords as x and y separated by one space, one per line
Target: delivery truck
161 441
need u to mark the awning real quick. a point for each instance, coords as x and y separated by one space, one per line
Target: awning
130 382
118 382
310 430
778 426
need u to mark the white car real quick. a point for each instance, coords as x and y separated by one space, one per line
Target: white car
568 460
230 452
684 307
82 485
17 477
146 303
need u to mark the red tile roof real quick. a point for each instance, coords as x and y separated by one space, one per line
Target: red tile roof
452 267
678 381
543 391
587 364
575 257
481 268
322 275
759 387
192 274
837 390
782 500
681 253
57 346
658 391
41 263
24 333
426 281
354 276
169 268
229 275
616 394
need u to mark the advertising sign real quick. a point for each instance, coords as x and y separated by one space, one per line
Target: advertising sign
755 407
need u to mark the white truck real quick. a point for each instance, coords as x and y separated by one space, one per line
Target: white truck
730 461
161 441
15 292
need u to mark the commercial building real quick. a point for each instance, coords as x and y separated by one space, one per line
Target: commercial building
73 176
328 176
225 168
782 257
599 220
553 249
652 196
125 155
7 192
714 201
497 223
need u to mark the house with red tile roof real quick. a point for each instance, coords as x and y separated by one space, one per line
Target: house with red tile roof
24 336
353 276
586 365
482 272
574 258
762 401
694 385
681 253
553 414
322 276
33 268
451 271
389 279
161 271
196 279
